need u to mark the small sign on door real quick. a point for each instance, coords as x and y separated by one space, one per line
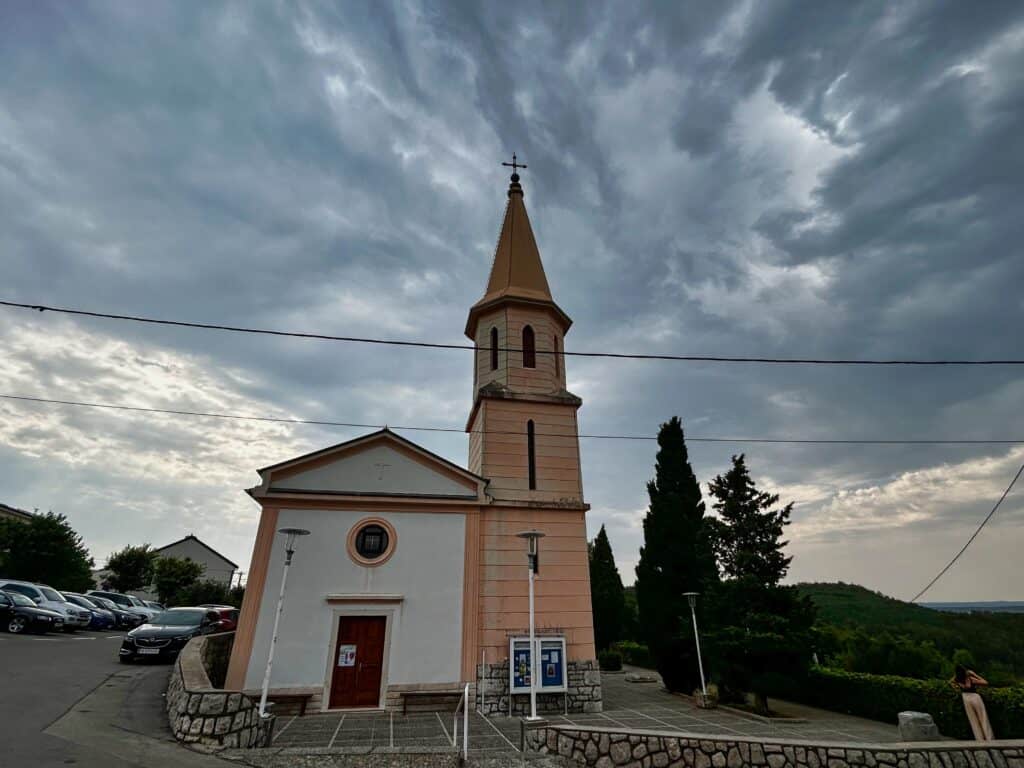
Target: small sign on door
347 656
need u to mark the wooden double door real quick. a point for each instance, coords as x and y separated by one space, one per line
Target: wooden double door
358 662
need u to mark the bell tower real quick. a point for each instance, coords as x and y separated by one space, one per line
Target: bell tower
522 428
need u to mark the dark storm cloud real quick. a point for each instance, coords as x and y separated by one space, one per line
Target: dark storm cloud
768 178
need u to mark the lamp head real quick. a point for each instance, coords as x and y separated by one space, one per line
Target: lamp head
531 537
292 534
691 598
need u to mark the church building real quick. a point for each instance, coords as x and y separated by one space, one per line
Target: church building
414 582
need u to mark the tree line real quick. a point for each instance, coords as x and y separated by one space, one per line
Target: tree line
45 549
755 631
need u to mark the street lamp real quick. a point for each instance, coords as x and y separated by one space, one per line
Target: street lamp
533 564
289 549
691 598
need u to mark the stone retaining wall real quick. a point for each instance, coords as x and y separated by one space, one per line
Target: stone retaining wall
605 748
584 692
202 714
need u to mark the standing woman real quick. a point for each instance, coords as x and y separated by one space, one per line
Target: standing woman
968 682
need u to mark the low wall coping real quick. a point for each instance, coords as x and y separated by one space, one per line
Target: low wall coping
894 746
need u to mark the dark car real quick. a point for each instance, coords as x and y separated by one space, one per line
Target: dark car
101 617
19 614
125 619
167 633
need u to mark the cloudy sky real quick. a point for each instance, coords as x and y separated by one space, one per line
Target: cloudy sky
761 178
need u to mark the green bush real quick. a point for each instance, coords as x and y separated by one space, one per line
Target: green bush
609 661
883 697
634 654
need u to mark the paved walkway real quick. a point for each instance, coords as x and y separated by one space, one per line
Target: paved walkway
645 706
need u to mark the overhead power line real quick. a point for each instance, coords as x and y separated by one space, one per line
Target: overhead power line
973 536
357 425
440 345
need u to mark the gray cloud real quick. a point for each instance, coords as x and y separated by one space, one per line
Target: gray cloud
753 178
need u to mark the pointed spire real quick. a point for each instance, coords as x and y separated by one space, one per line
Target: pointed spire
517 269
517 272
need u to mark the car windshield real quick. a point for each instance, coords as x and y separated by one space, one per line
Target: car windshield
82 601
52 594
102 602
180 618
136 602
20 599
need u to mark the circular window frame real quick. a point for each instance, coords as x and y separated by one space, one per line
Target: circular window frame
353 533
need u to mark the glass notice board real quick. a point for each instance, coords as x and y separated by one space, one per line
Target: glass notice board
552 664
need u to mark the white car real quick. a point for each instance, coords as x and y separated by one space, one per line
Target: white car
128 603
75 617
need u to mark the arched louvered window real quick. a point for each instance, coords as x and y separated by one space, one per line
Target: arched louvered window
558 355
529 348
494 349
531 455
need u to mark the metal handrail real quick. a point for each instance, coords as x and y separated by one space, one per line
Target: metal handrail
464 706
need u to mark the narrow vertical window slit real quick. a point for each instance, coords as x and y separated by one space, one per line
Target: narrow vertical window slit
531 455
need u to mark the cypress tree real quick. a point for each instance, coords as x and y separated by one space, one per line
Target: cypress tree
606 595
677 557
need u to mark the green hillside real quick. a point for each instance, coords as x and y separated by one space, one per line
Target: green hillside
995 640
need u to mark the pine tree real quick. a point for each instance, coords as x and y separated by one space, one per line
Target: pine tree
748 533
677 557
761 639
606 594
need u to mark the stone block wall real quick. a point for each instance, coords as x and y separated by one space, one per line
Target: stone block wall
199 713
584 683
606 748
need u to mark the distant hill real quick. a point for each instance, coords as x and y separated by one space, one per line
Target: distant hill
994 606
994 638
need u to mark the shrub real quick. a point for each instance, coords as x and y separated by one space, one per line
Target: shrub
883 697
609 661
634 654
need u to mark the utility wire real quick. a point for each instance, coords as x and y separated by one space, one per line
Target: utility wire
973 536
439 345
323 423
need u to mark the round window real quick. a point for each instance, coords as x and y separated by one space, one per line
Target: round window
372 541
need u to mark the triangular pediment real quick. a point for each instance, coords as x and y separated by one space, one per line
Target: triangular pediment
380 464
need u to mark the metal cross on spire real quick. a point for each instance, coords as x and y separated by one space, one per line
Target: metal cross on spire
514 165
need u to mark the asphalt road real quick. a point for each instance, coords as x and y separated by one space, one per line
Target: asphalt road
48 680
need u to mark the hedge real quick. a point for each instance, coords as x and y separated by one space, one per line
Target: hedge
634 654
609 661
882 697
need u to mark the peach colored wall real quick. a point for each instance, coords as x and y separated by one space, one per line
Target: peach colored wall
509 321
242 649
562 588
503 458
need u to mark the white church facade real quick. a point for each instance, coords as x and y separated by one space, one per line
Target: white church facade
413 581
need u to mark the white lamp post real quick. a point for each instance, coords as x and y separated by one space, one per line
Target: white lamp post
289 550
532 537
691 598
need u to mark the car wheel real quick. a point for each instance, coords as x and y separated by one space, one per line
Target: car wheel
17 625
125 659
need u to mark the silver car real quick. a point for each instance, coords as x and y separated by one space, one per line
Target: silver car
75 617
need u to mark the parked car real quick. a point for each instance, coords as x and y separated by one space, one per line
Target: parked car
49 598
101 617
125 619
155 606
126 602
167 634
228 617
20 614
